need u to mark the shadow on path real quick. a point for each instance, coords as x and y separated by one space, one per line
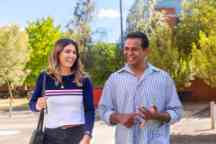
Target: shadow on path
197 139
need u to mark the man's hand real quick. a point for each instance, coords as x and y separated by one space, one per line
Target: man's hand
153 114
126 120
149 114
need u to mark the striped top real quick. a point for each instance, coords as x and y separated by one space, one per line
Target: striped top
65 107
124 92
67 104
64 92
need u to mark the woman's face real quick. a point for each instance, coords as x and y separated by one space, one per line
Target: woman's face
68 56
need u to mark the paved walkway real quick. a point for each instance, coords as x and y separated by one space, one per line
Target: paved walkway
17 130
194 128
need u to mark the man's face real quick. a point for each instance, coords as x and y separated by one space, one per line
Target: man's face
133 52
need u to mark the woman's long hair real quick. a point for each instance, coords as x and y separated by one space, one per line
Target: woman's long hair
54 62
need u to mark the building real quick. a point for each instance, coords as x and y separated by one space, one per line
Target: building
171 8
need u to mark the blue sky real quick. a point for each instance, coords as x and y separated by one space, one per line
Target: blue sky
106 15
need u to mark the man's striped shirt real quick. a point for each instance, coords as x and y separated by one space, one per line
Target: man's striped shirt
124 92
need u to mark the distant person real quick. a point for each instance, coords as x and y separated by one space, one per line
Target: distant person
140 99
68 97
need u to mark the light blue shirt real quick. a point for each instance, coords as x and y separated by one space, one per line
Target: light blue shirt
124 92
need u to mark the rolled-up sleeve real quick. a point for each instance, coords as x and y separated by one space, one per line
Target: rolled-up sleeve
173 104
106 104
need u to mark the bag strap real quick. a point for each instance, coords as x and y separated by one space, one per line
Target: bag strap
40 121
40 124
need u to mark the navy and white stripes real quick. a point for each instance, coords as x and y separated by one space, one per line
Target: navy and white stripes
124 92
67 105
72 92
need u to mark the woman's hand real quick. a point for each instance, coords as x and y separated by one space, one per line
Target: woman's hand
41 103
85 140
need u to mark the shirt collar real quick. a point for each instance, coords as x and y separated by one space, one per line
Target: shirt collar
150 68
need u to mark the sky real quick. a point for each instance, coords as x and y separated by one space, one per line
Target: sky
106 17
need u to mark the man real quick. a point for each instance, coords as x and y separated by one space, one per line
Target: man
139 91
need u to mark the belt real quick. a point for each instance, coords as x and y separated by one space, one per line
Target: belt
64 127
68 126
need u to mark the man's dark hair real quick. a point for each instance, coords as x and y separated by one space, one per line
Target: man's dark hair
140 35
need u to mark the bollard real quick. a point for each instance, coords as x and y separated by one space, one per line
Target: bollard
212 114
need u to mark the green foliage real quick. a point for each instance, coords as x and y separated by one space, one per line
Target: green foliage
14 55
104 58
42 35
204 56
166 55
196 37
143 16
165 52
196 16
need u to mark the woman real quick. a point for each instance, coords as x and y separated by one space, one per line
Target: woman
68 97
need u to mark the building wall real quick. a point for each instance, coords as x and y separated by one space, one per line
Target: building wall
176 4
200 92
171 8
171 17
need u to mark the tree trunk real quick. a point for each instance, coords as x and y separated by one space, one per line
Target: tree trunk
10 89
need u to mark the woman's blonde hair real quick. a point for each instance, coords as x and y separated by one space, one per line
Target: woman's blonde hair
54 63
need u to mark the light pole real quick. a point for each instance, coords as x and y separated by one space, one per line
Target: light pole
121 22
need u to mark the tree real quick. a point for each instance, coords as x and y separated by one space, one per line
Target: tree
166 55
42 36
196 16
79 27
196 35
164 51
204 55
136 14
104 59
14 55
144 16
